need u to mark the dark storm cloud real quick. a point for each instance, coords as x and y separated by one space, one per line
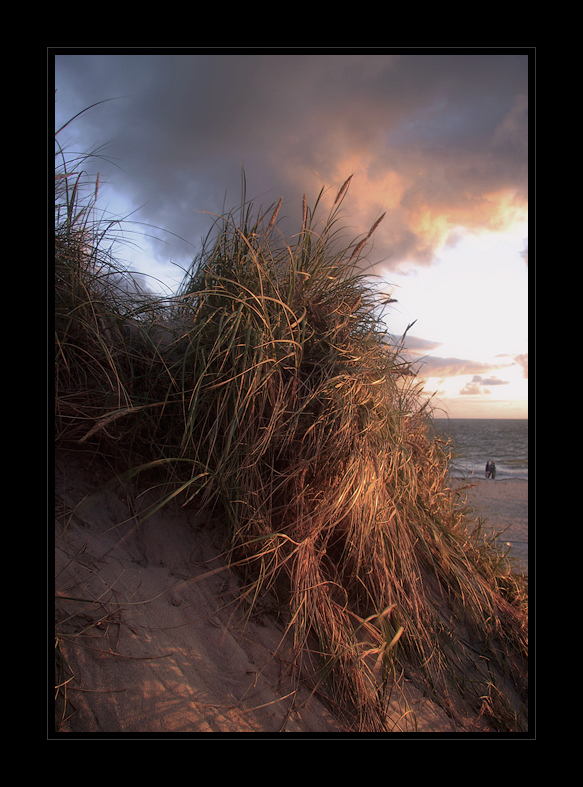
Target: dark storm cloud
437 141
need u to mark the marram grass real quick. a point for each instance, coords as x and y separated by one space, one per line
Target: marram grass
268 388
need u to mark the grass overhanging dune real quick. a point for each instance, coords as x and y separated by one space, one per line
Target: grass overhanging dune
269 388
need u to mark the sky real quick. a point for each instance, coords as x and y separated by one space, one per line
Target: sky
437 141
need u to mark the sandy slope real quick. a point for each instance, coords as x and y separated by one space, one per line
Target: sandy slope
150 640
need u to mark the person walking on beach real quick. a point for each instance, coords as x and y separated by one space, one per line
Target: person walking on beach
490 470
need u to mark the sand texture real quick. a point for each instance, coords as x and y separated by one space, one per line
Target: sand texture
150 640
504 506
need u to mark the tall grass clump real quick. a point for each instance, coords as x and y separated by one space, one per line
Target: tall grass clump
270 388
108 329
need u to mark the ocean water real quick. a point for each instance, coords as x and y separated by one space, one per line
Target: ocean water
477 441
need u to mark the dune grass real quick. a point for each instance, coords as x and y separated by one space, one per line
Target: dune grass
270 389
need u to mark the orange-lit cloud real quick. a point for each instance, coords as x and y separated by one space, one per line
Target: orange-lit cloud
436 142
426 203
522 359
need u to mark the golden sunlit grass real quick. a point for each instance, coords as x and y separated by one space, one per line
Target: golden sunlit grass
268 388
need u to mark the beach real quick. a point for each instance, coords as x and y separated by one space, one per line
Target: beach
504 506
150 637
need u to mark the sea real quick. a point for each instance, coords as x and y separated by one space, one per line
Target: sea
476 441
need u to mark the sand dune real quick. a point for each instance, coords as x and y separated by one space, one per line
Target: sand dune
150 639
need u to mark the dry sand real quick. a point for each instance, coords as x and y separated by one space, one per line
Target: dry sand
150 641
504 506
